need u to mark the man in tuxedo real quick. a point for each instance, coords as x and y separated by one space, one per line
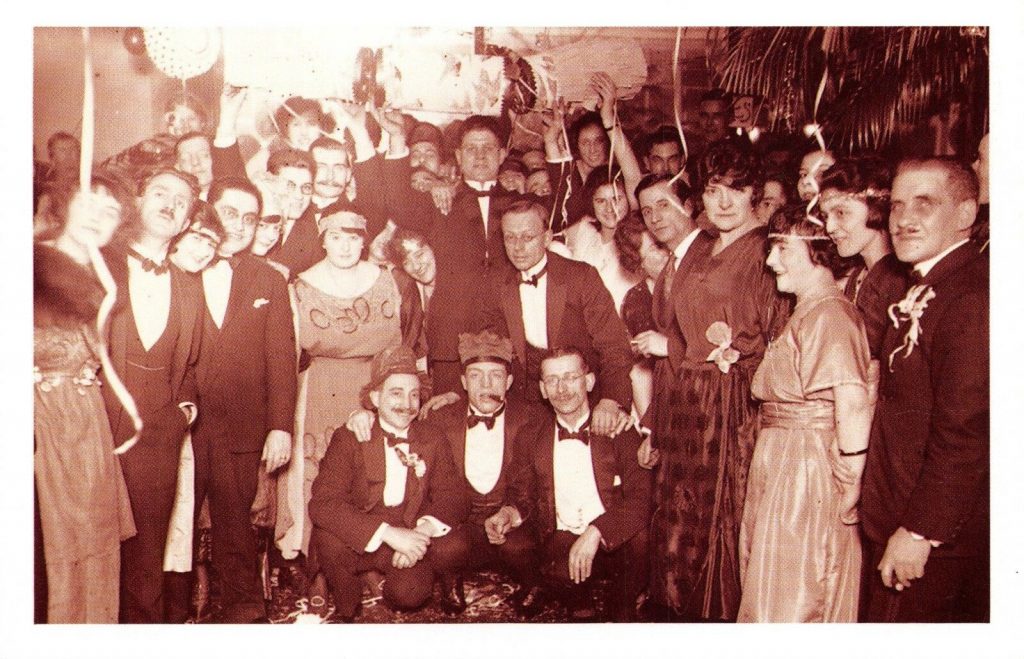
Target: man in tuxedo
592 498
154 338
247 385
482 433
387 504
548 302
925 496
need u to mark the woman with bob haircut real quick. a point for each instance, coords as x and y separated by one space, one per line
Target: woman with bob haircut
800 556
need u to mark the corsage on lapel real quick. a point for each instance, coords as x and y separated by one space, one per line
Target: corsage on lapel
910 308
412 460
260 302
724 356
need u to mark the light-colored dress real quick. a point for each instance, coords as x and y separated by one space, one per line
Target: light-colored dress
83 501
341 337
585 244
798 561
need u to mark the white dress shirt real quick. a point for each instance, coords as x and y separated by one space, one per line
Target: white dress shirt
395 476
150 297
484 452
534 300
684 246
577 502
217 290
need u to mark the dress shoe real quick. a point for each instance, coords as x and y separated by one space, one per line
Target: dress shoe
453 596
528 601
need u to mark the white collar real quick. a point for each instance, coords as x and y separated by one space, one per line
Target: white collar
684 244
924 267
155 256
482 186
582 422
532 272
387 427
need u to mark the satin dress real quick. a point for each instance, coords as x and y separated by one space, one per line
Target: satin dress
798 561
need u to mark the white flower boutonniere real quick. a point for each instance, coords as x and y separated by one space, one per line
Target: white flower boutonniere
260 302
413 460
910 308
724 356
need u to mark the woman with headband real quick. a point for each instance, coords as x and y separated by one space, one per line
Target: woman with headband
349 310
83 505
800 556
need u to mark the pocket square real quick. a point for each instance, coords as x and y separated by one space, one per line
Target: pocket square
260 302
617 481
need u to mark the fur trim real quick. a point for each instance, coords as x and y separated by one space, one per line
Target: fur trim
64 292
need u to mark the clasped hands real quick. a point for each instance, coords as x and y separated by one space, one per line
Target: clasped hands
410 545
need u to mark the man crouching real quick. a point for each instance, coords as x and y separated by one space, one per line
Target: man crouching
379 505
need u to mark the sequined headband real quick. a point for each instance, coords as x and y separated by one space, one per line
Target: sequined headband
797 236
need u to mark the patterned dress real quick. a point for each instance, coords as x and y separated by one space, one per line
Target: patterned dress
704 425
799 562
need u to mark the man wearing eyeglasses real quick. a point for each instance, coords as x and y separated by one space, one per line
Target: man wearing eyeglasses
246 380
592 498
549 302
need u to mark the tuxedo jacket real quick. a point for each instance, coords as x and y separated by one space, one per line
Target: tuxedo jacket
928 461
187 299
347 498
247 372
459 239
623 486
580 314
514 458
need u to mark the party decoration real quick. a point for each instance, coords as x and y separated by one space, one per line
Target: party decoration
566 71
183 53
134 41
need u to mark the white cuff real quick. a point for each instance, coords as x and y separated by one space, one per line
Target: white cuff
517 518
563 158
224 140
440 528
377 539
190 410
918 536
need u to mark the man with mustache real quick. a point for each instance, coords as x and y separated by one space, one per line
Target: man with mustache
925 507
387 504
154 338
586 495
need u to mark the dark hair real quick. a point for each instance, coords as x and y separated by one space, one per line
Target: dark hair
511 164
867 174
628 238
331 144
663 135
206 216
190 101
564 351
188 179
961 180
301 106
678 187
62 193
595 182
220 185
291 158
527 205
581 122
734 163
480 122
395 250
792 219
716 94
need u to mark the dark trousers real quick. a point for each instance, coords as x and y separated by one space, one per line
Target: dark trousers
518 554
953 589
627 565
151 475
405 588
229 480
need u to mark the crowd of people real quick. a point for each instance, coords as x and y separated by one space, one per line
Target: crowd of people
738 386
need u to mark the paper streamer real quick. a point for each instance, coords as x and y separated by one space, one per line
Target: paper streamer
821 145
98 264
676 102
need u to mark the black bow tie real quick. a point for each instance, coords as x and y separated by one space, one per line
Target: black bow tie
148 264
394 440
483 193
583 434
487 419
534 280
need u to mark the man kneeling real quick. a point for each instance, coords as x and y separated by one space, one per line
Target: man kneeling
379 505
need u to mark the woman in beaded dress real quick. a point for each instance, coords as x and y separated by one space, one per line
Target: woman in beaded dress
727 309
800 555
82 499
349 310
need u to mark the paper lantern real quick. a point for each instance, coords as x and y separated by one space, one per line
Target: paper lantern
182 53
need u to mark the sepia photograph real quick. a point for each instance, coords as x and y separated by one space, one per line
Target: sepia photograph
484 332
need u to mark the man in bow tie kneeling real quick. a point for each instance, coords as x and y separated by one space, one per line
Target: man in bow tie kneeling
387 504
592 503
